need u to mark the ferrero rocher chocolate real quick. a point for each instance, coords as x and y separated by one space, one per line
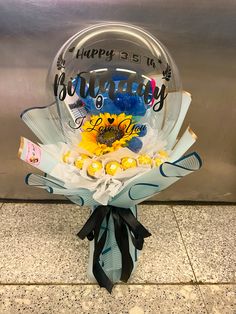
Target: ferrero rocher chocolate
158 162
66 157
162 154
113 167
128 162
79 161
144 160
94 167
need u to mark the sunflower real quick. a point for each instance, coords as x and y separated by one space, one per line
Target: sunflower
105 133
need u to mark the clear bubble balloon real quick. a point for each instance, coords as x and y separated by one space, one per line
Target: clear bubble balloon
116 69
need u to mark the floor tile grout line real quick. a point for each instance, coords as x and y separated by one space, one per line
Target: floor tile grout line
203 298
121 284
185 247
190 262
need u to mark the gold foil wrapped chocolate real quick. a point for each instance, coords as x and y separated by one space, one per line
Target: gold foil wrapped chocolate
94 167
157 162
144 160
113 167
128 162
79 160
163 154
161 157
67 157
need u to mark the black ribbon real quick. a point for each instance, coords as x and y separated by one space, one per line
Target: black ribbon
125 223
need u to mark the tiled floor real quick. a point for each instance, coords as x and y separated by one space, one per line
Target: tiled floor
188 265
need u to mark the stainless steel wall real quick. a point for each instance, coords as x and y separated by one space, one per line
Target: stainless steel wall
201 35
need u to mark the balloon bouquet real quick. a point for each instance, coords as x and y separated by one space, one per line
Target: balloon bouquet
109 140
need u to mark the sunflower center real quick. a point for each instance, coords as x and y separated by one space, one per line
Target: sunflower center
109 136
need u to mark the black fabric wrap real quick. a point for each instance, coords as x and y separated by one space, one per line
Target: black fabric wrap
125 223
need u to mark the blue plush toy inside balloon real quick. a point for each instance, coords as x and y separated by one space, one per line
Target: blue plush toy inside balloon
122 102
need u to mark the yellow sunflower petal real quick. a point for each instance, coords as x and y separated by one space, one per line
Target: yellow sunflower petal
90 132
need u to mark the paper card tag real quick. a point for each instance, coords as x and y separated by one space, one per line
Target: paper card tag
33 154
36 156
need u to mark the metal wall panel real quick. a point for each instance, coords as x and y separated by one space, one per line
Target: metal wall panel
199 34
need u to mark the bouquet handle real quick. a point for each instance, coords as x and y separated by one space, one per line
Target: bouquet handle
116 237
